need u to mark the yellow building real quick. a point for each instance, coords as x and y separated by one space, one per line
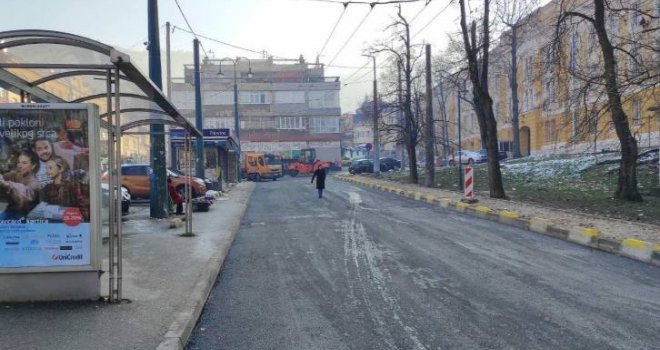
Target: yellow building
562 105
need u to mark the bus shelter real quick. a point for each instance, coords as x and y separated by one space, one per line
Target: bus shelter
81 96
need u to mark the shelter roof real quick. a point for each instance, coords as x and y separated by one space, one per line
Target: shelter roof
57 67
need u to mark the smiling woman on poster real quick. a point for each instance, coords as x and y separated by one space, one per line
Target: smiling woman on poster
60 194
21 186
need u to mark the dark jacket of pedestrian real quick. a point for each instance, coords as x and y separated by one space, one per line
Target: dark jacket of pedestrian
319 174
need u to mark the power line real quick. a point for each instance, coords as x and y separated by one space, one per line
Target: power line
390 59
222 42
357 70
432 19
189 26
352 35
372 3
334 28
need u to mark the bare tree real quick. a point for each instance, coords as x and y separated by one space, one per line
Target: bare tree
605 77
403 50
514 15
477 54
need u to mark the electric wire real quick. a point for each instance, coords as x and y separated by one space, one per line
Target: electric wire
222 42
351 36
390 59
333 29
432 19
370 3
189 26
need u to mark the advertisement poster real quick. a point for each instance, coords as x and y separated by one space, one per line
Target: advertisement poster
44 187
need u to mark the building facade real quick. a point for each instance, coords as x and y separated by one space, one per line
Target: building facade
284 105
562 107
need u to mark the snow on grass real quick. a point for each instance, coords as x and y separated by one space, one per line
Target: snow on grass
552 167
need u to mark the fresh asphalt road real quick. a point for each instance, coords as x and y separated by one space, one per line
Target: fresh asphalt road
362 269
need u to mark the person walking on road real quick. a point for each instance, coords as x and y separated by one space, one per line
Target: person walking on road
319 174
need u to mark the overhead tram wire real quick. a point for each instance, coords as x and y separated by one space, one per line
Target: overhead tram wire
189 26
222 42
371 3
333 29
352 35
389 60
427 2
432 19
357 70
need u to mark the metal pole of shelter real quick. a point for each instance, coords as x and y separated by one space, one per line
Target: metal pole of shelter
199 145
117 186
112 172
189 191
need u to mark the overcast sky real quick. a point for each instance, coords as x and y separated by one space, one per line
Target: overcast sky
283 28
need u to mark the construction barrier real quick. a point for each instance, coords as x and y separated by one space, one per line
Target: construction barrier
469 184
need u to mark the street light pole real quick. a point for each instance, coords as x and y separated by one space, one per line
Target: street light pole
376 137
460 163
237 123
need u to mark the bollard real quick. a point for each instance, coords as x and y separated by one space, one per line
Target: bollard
469 184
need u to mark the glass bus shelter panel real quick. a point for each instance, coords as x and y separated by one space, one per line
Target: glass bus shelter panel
42 53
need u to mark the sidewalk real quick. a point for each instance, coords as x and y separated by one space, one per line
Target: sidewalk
166 281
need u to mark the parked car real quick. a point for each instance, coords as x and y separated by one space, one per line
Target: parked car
359 166
125 198
501 155
136 179
387 164
178 173
466 157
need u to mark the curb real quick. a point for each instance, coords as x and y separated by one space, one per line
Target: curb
186 317
590 237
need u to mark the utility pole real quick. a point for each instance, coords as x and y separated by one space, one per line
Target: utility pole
375 112
199 144
168 85
156 131
430 161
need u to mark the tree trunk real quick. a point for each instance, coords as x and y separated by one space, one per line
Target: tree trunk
482 101
627 182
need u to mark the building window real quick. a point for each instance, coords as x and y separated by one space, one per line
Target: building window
637 113
289 96
217 98
593 123
324 99
572 64
254 97
291 123
183 99
322 125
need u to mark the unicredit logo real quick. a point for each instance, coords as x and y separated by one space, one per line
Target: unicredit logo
66 257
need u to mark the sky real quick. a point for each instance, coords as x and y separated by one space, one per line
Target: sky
282 28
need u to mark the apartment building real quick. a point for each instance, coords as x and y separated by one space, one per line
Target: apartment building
559 112
284 105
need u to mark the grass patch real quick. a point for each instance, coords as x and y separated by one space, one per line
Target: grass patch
584 184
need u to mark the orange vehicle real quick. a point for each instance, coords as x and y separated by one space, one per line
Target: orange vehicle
304 163
136 179
255 168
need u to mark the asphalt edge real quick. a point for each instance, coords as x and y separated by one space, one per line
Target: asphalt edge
186 317
590 237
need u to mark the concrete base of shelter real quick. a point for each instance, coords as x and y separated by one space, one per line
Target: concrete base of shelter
50 286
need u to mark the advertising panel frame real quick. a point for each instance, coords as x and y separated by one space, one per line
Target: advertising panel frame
93 176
